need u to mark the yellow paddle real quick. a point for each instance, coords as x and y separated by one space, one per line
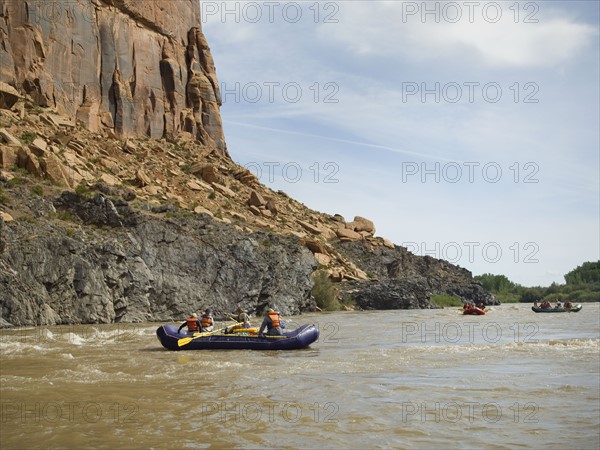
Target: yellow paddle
185 341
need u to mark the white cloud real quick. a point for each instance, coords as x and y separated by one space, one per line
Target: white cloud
387 29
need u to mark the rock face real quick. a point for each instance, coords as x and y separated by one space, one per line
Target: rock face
404 280
133 268
391 294
134 67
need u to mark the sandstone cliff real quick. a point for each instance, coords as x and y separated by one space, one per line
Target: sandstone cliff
126 67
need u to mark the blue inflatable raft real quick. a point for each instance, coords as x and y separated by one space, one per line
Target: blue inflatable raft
299 338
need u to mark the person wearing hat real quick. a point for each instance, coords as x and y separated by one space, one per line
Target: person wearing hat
207 322
193 324
273 323
241 317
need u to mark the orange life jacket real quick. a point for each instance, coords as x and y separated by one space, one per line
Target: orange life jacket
274 319
206 321
192 323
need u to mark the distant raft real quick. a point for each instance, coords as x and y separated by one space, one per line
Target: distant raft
171 339
474 310
538 309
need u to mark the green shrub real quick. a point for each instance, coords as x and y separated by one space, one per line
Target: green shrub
83 190
4 199
16 181
27 218
64 215
445 300
28 137
36 189
348 300
325 292
508 297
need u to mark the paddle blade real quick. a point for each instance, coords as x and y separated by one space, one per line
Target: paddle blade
184 341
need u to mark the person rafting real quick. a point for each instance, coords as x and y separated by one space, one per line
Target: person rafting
207 322
241 317
193 324
273 323
568 305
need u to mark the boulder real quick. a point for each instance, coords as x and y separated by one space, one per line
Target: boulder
55 171
142 179
38 147
361 224
322 259
28 161
209 173
110 179
272 206
256 200
223 190
246 177
349 235
202 210
6 216
388 243
315 246
254 210
8 138
9 96
8 157
194 186
309 227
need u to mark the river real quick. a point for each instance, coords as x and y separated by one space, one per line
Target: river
381 379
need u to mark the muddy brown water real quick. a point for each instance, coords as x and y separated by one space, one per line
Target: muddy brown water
384 379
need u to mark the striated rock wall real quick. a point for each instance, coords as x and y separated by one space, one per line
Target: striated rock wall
130 66
128 267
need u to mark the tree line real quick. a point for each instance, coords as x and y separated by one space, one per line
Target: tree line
582 284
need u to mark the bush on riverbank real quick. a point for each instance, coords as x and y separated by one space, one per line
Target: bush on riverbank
444 300
325 292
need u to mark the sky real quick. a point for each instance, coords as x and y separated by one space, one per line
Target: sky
467 131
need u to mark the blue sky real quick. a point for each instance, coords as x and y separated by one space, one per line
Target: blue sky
465 130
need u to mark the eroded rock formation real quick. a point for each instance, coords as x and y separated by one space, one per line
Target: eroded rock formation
133 67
